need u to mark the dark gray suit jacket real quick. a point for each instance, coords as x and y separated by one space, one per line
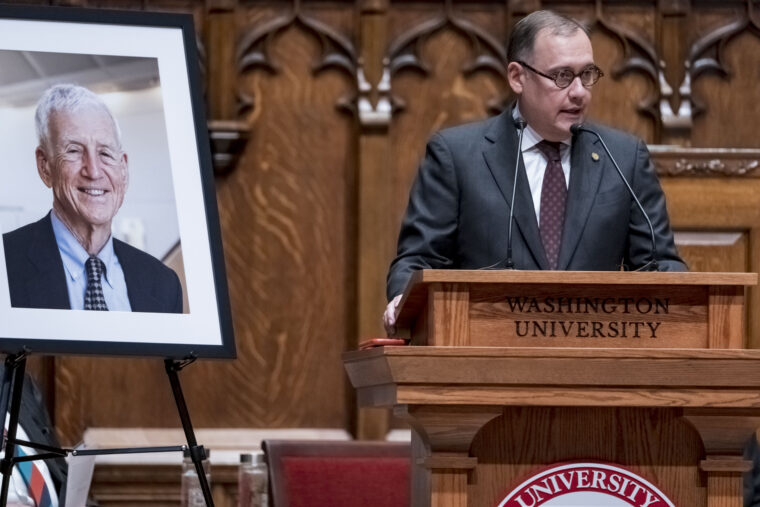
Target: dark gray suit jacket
458 212
37 279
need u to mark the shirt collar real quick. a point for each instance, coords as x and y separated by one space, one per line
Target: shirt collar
531 138
74 255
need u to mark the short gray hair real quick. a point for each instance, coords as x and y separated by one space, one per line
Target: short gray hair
522 39
66 98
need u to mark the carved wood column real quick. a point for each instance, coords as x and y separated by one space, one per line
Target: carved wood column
221 70
724 437
228 135
675 102
375 243
441 443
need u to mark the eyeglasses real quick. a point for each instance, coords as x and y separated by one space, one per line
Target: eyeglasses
563 77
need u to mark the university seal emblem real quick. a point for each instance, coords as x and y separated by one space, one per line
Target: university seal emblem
586 484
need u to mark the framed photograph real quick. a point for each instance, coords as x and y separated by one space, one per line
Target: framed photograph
111 240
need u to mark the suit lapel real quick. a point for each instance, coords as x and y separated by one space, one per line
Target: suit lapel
139 286
585 176
47 288
500 152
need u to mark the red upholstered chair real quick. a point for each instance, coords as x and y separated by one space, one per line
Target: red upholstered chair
315 473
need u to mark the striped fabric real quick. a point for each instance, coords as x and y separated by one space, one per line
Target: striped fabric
35 483
32 476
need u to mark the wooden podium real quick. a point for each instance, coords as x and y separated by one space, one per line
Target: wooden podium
511 371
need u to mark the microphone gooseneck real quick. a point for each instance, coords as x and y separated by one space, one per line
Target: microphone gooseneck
520 126
652 264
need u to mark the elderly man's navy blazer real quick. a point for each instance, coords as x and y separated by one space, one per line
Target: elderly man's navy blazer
37 279
458 213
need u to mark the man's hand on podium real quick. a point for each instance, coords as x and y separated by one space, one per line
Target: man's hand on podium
389 317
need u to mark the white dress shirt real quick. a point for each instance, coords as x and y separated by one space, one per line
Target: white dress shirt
74 257
535 162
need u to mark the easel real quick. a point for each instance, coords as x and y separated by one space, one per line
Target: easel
12 387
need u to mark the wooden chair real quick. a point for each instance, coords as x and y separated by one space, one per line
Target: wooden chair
315 473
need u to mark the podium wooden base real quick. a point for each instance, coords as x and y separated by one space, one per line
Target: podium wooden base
486 418
521 370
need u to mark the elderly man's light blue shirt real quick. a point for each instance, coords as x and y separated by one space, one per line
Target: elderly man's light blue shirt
74 257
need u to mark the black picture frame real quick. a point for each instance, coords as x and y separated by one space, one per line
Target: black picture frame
205 330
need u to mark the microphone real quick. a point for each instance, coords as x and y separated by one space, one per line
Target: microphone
520 126
652 264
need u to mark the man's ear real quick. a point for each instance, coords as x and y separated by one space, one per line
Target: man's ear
516 77
43 167
125 161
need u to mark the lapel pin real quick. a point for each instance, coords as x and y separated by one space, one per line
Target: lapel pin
595 157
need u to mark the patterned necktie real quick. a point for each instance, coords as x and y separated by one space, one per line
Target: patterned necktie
553 202
93 296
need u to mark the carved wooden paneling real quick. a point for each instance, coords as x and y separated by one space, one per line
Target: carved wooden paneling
714 251
728 93
622 38
732 104
109 392
445 72
311 207
156 485
719 209
286 224
286 221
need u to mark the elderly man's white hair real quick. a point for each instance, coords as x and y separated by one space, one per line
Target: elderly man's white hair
66 98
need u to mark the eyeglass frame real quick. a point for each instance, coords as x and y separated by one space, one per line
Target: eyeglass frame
556 75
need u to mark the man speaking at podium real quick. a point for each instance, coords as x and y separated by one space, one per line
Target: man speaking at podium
572 209
69 259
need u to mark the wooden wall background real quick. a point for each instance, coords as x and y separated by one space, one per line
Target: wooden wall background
337 99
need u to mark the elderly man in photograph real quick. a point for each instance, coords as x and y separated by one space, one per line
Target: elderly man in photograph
572 210
69 259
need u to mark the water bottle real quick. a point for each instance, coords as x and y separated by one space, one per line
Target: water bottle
253 481
192 494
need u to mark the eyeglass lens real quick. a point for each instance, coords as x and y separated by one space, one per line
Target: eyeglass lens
589 76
